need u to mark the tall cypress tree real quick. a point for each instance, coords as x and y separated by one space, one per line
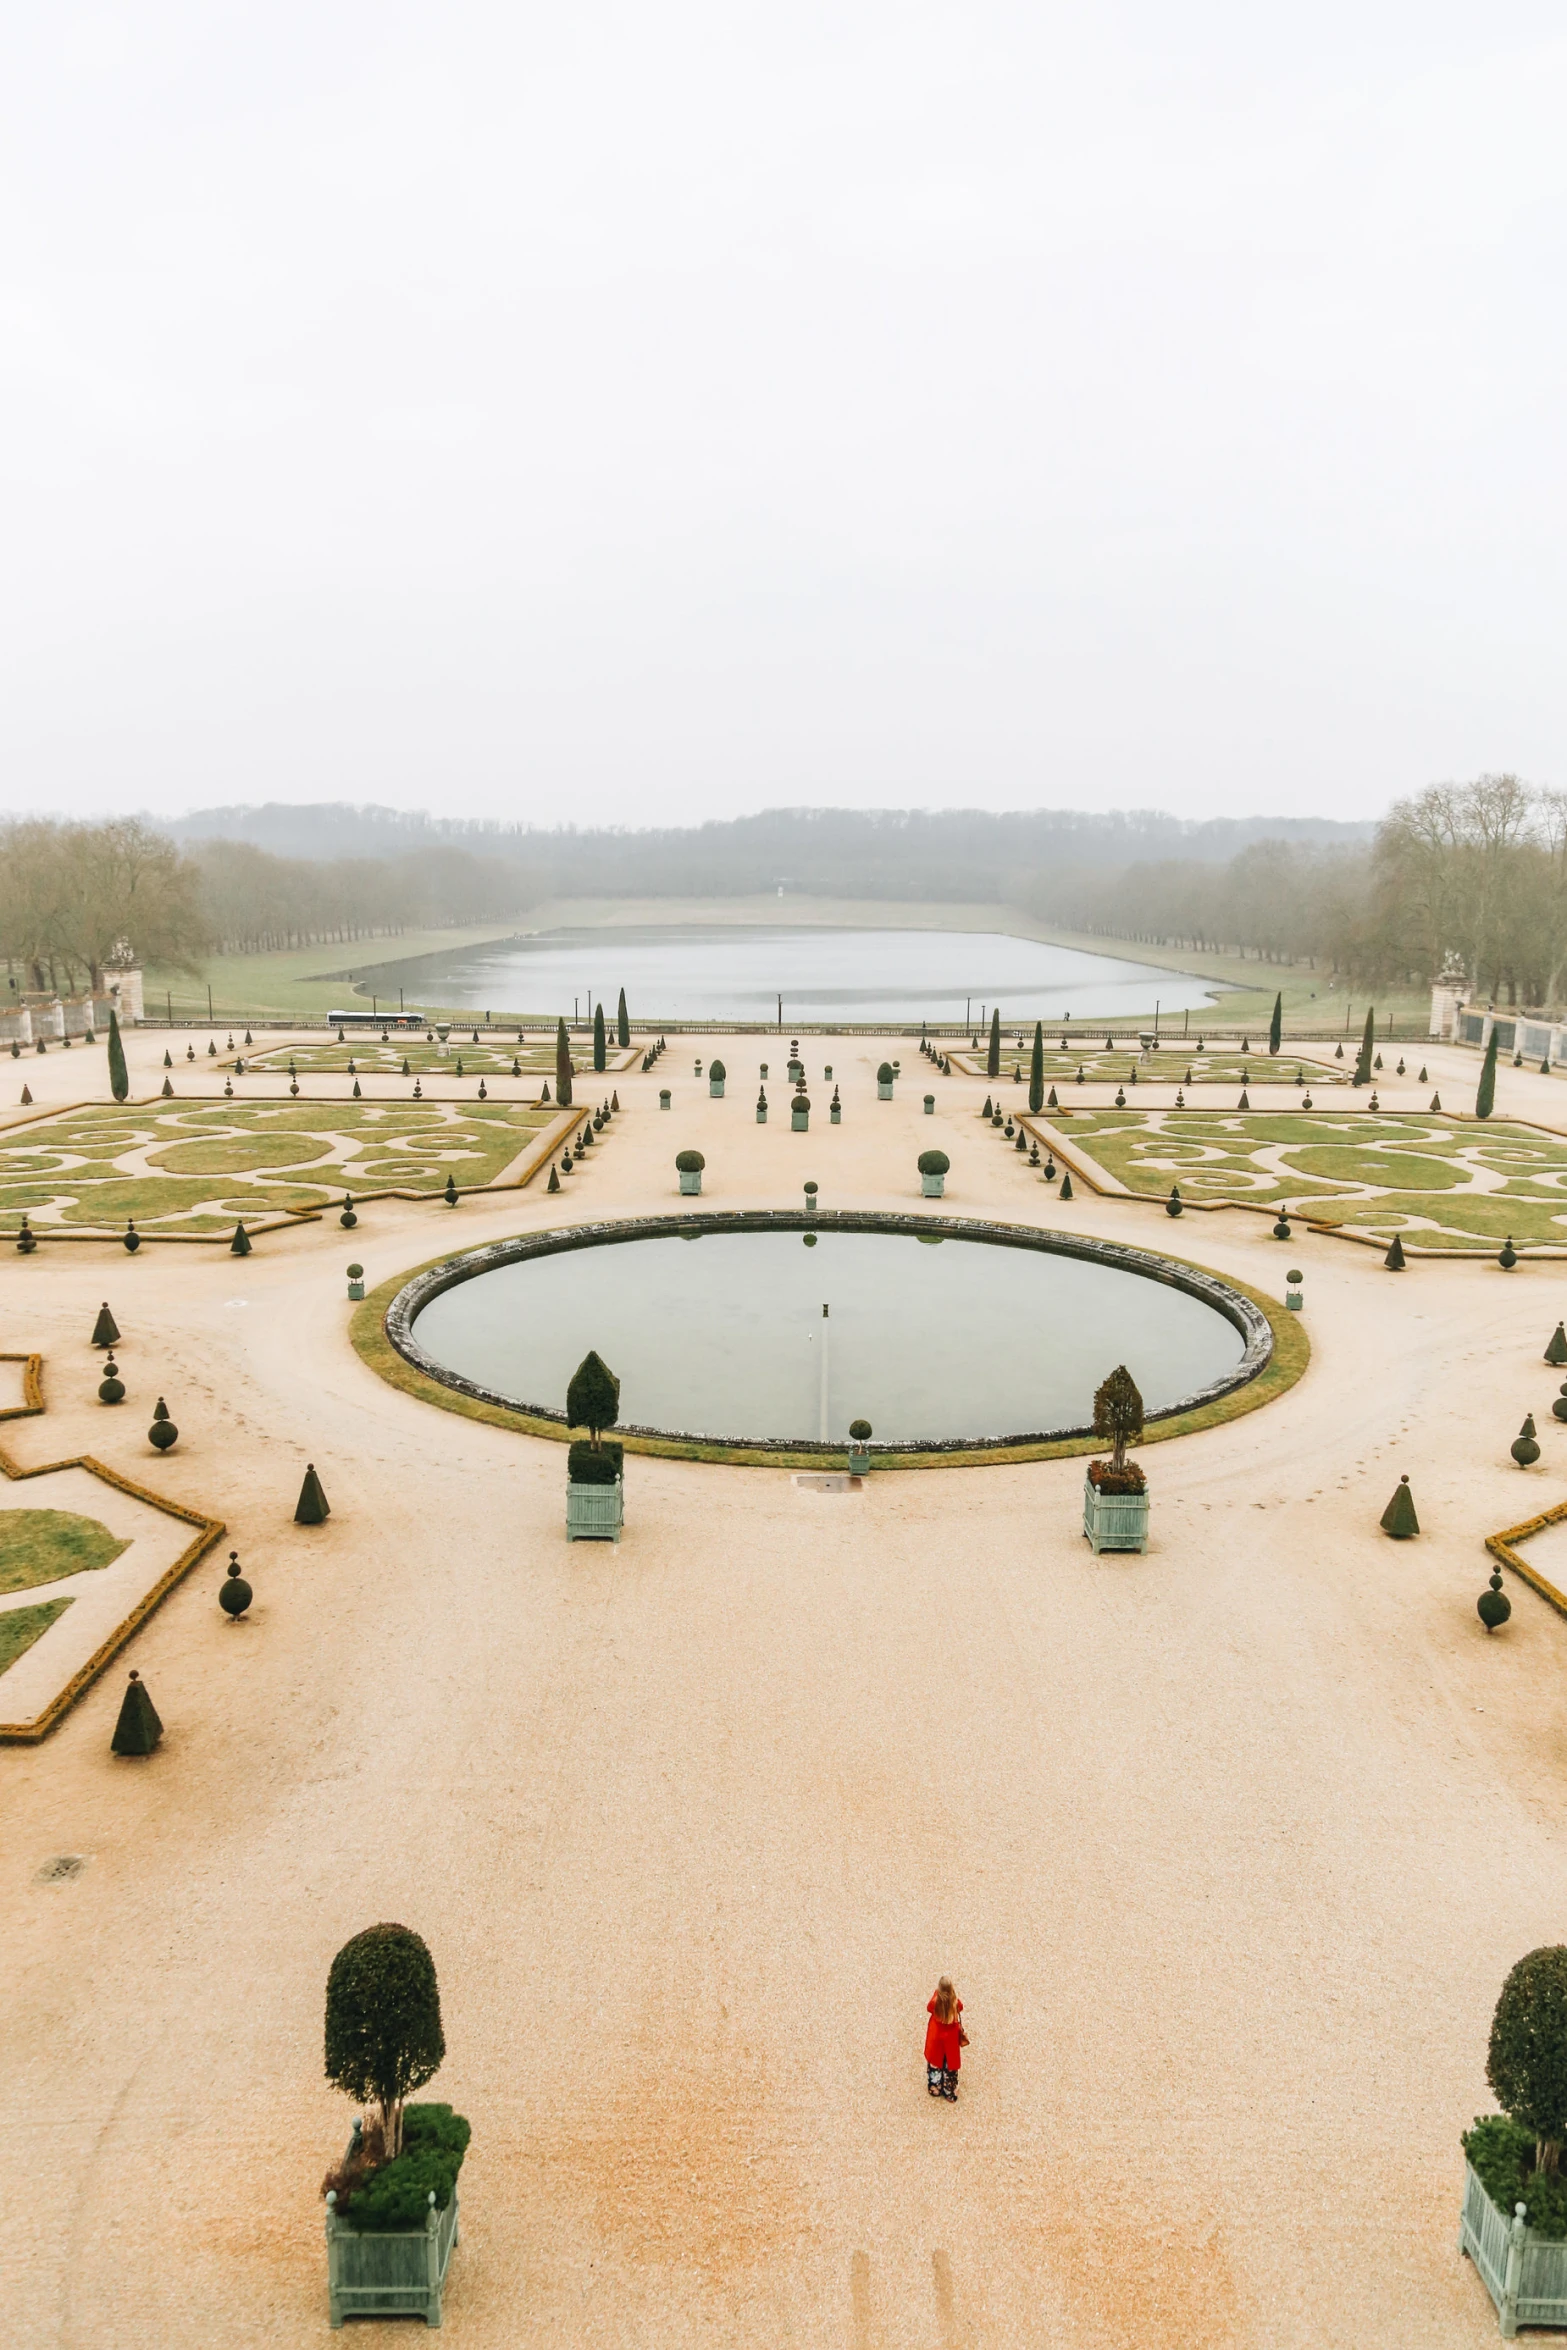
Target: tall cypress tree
562 1066
622 1024
1036 1070
1362 1074
119 1076
1485 1099
599 1058
1276 1024
993 1058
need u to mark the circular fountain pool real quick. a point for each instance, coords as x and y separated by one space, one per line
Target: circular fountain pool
731 1328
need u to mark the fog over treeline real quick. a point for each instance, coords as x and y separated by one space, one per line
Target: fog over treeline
1474 871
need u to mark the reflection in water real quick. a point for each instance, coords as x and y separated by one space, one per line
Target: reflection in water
729 1336
822 975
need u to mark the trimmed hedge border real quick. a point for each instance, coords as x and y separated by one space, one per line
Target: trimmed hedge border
1277 1348
1501 1549
209 1529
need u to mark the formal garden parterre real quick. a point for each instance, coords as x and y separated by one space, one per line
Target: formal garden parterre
187 1169
1440 1182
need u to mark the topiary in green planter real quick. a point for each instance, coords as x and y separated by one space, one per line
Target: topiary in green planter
383 2023
934 1167
688 1166
1555 1352
1525 1450
664 1099
162 1435
800 1114
1293 1298
1526 2063
989 1109
930 1105
106 1331
236 1594
239 1246
1508 1256
138 1728
1394 1260
112 1387
312 1507
716 1073
356 1281
835 1109
884 1082
1174 1204
1493 1606
1399 1518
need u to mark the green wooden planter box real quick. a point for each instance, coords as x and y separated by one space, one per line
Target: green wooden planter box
690 1181
799 1120
356 1289
398 2274
761 1113
931 1186
715 1087
664 1099
1525 2274
1114 1521
884 1093
930 1105
835 1114
595 1513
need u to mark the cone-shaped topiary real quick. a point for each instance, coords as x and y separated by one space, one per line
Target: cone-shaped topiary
1436 1101
1173 1205
1051 1102
1524 1449
622 1024
138 1729
1377 1063
1555 1352
1118 1414
130 1238
993 1057
1493 1606
1507 1256
1276 1024
236 1594
1362 1074
1526 2063
1394 1260
119 1077
554 1181
600 1047
383 2023
239 1246
1245 1101
1036 1070
407 1072
27 1097
357 1094
112 1387
562 1065
1399 1518
312 1507
450 1193
593 1397
163 1434
106 1332
544 1093
1066 1187
1485 1094
168 1091
168 1061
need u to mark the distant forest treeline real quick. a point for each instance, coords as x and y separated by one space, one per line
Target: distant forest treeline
1476 872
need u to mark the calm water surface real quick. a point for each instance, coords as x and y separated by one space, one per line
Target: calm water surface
725 1335
694 973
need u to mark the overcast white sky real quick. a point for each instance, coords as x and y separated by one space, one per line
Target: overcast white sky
660 411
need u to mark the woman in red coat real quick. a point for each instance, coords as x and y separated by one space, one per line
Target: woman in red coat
945 2041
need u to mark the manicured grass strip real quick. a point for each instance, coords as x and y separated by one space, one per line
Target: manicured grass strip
42 1546
1166 1067
21 1626
1291 1353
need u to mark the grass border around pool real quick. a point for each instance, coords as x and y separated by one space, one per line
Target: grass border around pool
1291 1354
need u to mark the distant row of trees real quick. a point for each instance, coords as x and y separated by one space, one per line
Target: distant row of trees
1472 873
254 903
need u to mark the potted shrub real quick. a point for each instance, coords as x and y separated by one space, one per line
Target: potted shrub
810 1199
934 1167
800 1114
859 1444
664 1098
1115 1492
595 1487
761 1105
391 2219
884 1082
688 1166
1514 2222
835 1109
356 1281
930 1105
716 1073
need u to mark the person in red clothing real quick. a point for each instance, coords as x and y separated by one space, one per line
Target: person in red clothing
945 2041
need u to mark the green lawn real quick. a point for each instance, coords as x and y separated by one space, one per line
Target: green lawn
367 1056
303 979
1441 1182
196 1168
21 1626
40 1546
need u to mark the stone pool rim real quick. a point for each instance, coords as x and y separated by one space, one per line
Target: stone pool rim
1275 1347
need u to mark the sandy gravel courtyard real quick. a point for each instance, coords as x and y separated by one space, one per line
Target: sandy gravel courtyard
1227 1847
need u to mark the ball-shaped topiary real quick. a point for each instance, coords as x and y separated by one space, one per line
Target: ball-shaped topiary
163 1434
1524 1449
383 2022
1493 1607
884 1074
689 1162
112 1387
860 1430
934 1163
235 1594
1526 2064
717 1072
